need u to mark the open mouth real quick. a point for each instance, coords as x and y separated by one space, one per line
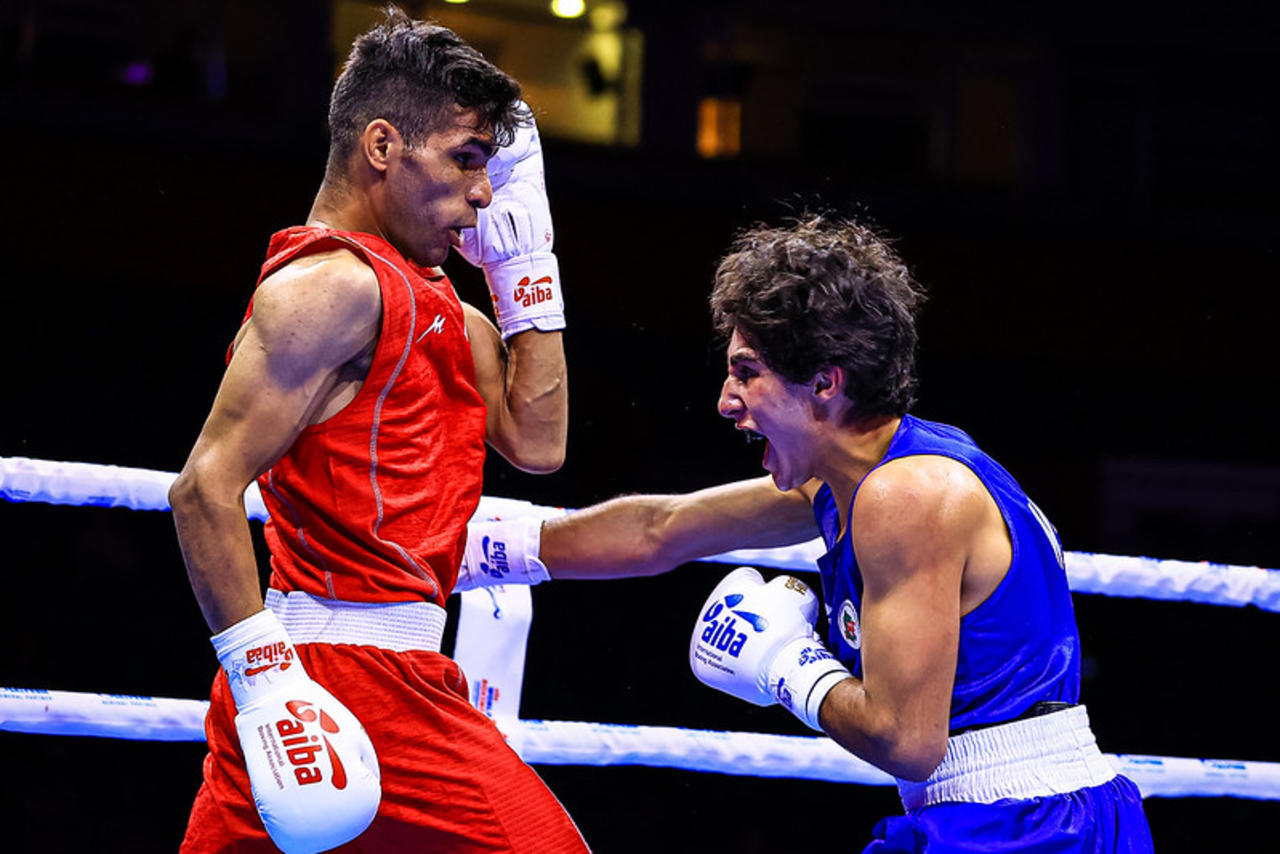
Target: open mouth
754 438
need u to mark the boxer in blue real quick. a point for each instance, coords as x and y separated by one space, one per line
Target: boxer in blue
952 658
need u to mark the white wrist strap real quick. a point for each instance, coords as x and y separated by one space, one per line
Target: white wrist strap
801 675
506 552
817 692
522 540
257 655
526 293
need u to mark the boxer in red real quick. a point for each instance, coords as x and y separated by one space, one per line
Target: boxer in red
360 393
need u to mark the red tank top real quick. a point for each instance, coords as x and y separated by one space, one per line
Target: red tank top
371 505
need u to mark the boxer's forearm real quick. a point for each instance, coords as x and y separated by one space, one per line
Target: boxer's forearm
617 539
879 734
218 551
636 535
536 402
512 242
649 534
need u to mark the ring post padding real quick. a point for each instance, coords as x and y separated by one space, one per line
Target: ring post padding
493 635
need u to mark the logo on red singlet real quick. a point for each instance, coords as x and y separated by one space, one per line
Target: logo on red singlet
278 654
302 749
529 294
437 326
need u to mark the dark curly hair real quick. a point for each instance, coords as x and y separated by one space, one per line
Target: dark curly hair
818 291
411 73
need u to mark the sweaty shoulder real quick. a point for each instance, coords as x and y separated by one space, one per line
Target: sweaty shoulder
327 306
335 280
919 504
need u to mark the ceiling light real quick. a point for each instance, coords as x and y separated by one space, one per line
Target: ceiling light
568 8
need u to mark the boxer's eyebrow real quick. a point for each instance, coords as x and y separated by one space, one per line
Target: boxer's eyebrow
487 145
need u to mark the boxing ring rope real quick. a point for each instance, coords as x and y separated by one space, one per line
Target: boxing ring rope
494 622
577 743
94 485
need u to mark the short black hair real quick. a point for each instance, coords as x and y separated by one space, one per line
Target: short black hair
411 73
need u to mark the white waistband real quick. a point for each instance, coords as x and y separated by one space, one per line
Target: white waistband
396 626
1047 755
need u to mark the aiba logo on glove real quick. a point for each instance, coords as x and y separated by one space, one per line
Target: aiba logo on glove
528 294
272 655
722 632
302 749
495 558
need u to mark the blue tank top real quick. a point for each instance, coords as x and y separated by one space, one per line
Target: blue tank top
1018 647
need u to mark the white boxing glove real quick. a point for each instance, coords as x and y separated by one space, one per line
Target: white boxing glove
756 641
312 768
502 552
512 240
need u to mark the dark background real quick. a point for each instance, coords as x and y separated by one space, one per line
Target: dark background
1089 197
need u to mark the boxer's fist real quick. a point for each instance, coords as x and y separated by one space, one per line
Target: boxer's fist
522 158
743 625
513 238
756 641
312 768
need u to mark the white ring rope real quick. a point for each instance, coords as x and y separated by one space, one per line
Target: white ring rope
23 479
575 743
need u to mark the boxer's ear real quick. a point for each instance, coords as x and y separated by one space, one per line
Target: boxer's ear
380 143
828 382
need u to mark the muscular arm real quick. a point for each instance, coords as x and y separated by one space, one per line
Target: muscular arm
650 534
525 389
914 521
310 320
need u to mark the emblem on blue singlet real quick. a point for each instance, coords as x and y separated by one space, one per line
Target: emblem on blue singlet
850 630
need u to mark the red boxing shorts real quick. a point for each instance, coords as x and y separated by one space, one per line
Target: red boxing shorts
449 780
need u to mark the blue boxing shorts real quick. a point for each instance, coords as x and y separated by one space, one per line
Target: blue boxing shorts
1039 784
